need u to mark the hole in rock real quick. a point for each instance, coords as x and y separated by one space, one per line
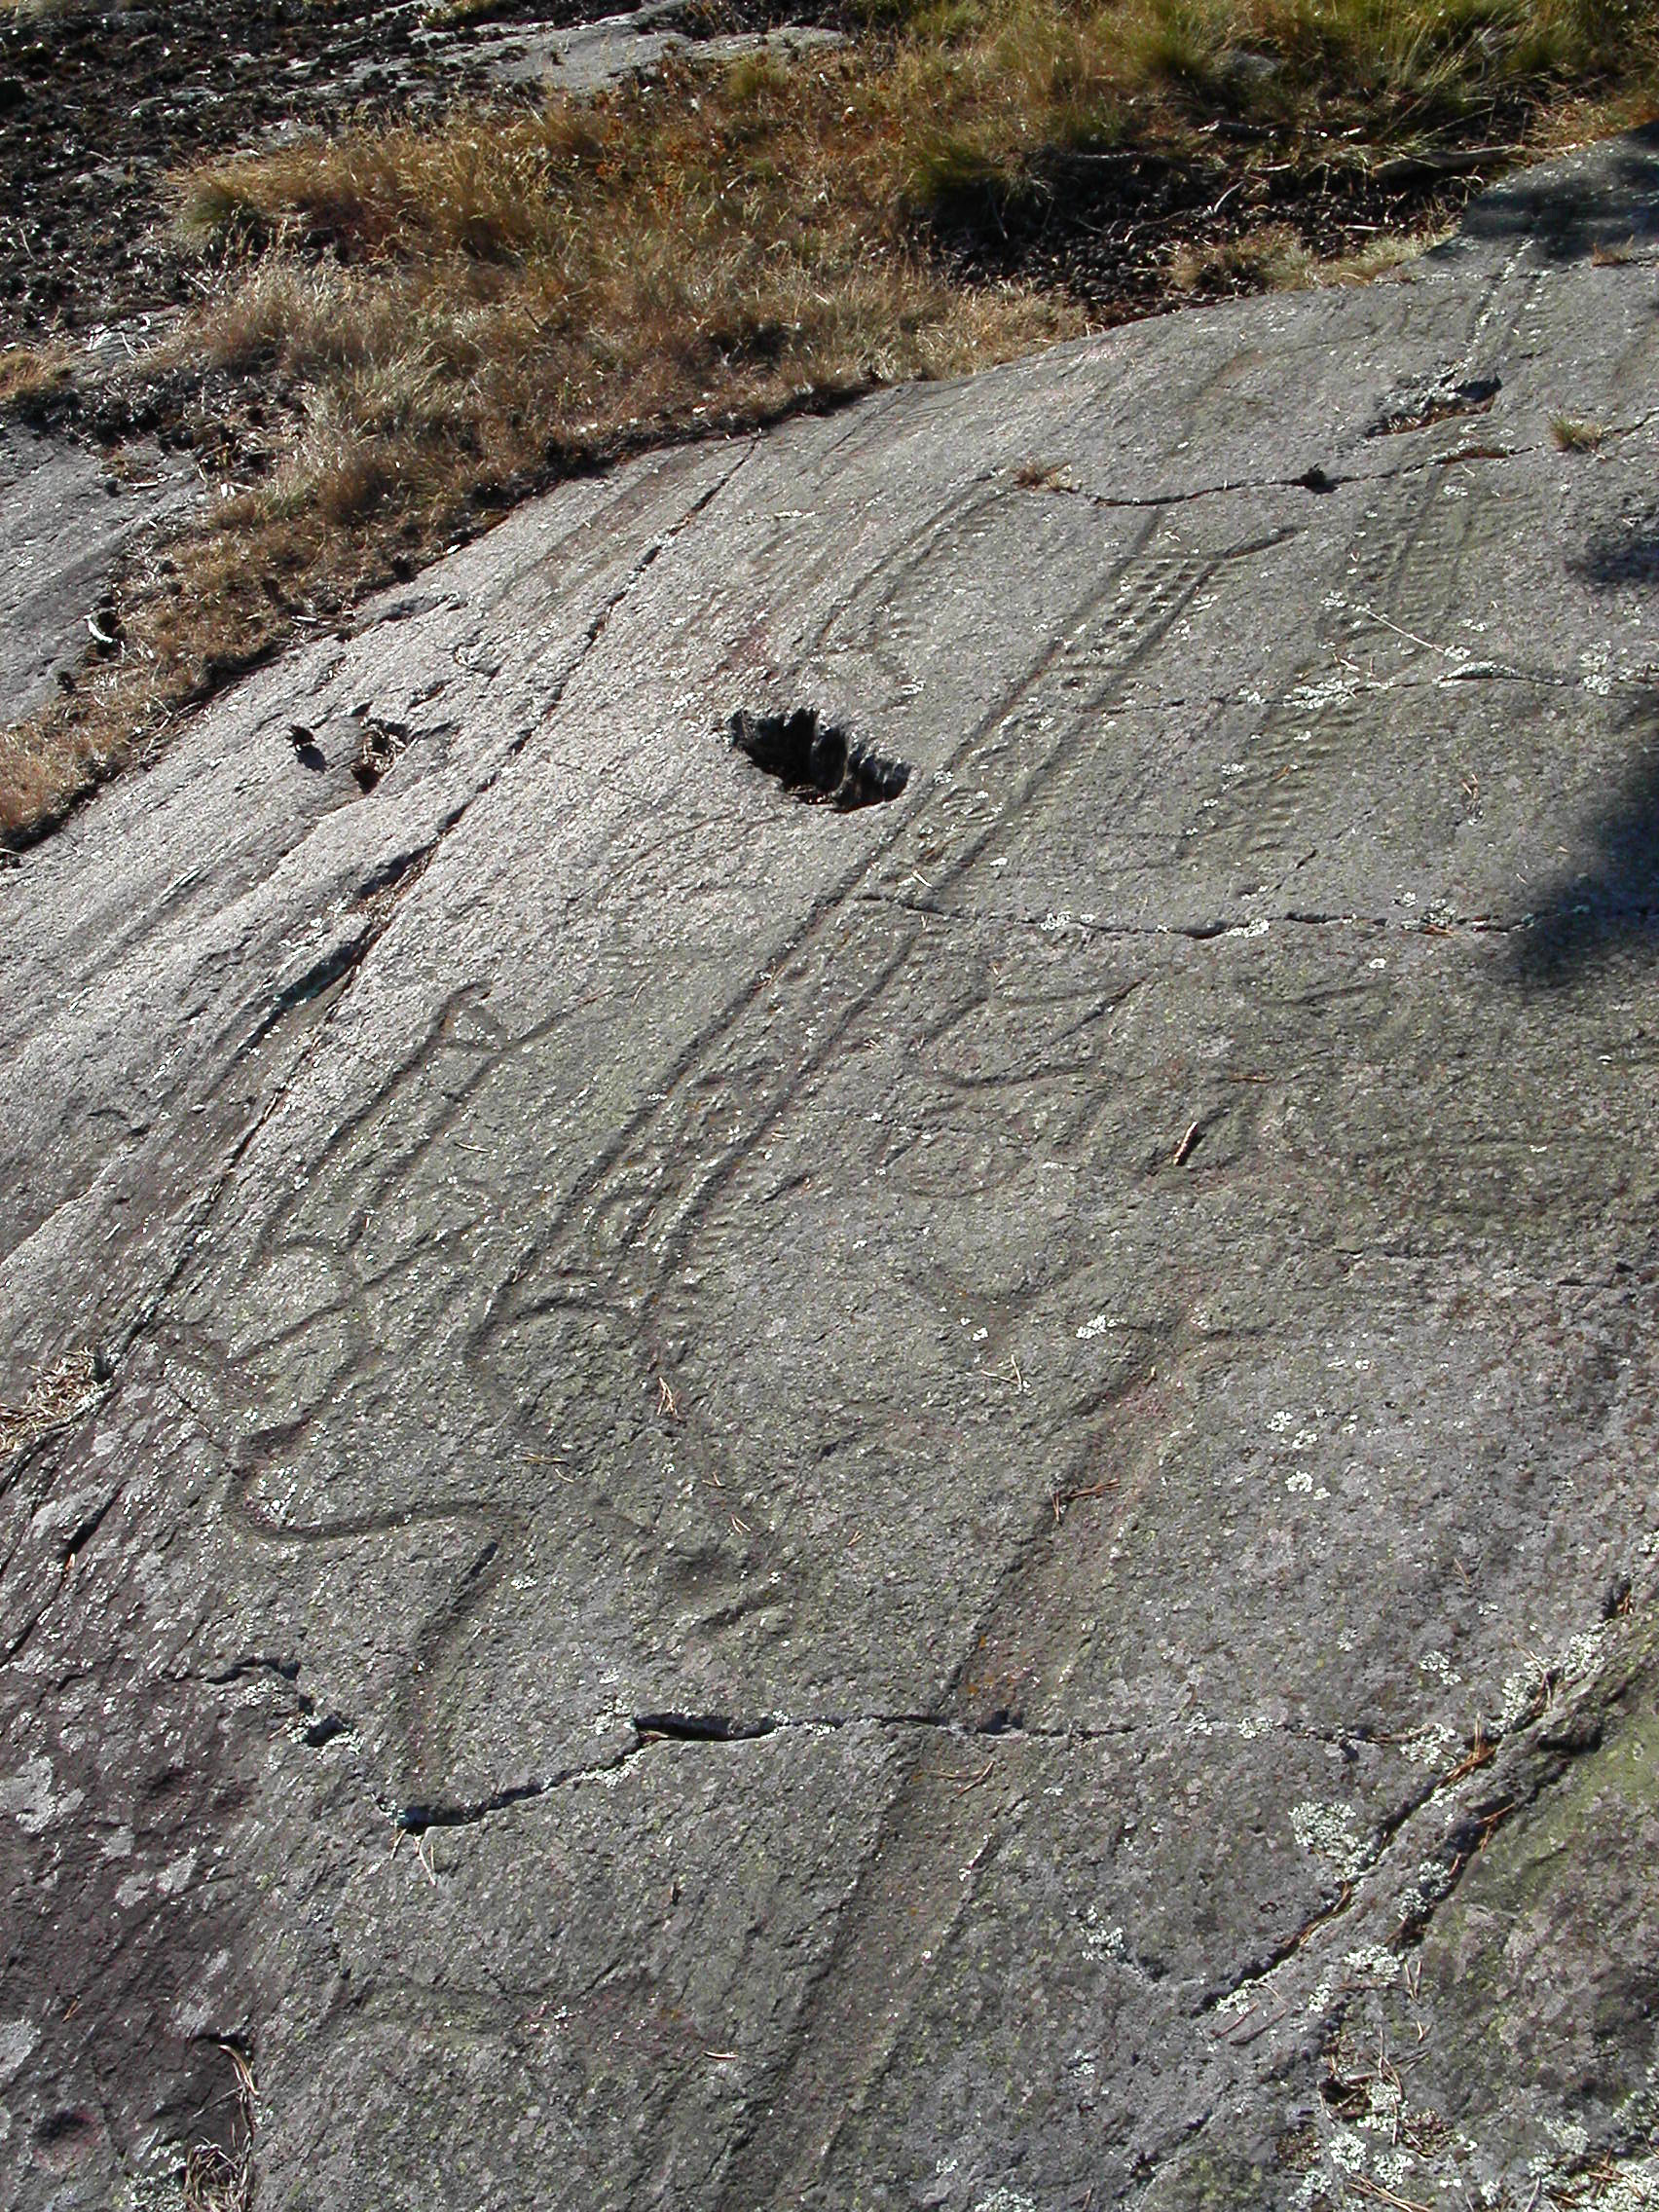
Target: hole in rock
818 760
1429 403
1003 1722
378 748
701 1727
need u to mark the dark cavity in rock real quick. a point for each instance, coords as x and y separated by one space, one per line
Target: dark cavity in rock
378 748
816 760
307 750
1435 403
701 1727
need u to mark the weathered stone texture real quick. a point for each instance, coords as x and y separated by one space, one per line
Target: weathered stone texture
942 1505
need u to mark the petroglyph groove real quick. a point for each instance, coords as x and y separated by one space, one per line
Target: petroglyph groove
1171 588
1166 592
829 2042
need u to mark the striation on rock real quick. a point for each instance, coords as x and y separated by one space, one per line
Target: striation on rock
65 520
940 1504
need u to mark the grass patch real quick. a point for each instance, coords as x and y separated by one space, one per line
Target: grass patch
29 374
1573 433
407 329
1272 259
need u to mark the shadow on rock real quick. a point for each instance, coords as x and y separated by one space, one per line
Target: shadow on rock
1583 919
1607 198
1616 559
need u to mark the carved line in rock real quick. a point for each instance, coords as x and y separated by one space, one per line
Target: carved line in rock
886 1940
882 586
688 1217
834 2024
878 586
608 1205
472 998
485 1562
899 1860
653 1199
811 961
1158 603
411 868
830 2045
814 965
382 1110
814 993
1412 585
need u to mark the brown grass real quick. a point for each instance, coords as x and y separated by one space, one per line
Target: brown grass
442 318
28 373
1270 259
61 1394
1573 433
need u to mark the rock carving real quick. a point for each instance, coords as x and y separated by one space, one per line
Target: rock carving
709 1508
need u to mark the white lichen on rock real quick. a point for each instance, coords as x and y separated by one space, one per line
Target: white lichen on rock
1329 1832
1431 1746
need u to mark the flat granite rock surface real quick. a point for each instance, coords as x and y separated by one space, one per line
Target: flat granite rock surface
720 1502
582 56
65 521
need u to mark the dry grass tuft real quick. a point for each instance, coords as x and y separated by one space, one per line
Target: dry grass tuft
61 1395
1573 433
441 318
30 373
215 2182
1383 255
1272 259
1366 79
1275 259
219 2180
1042 476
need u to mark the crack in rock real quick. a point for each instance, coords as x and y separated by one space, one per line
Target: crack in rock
701 1727
1550 1745
715 1729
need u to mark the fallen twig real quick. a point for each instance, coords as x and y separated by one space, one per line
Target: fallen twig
1364 2186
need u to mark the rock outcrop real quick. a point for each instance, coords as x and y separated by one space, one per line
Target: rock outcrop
717 1501
65 521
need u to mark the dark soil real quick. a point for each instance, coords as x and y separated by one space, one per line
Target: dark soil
98 104
1106 227
96 108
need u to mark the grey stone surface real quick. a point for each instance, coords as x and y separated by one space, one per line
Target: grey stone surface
725 1504
65 522
581 57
